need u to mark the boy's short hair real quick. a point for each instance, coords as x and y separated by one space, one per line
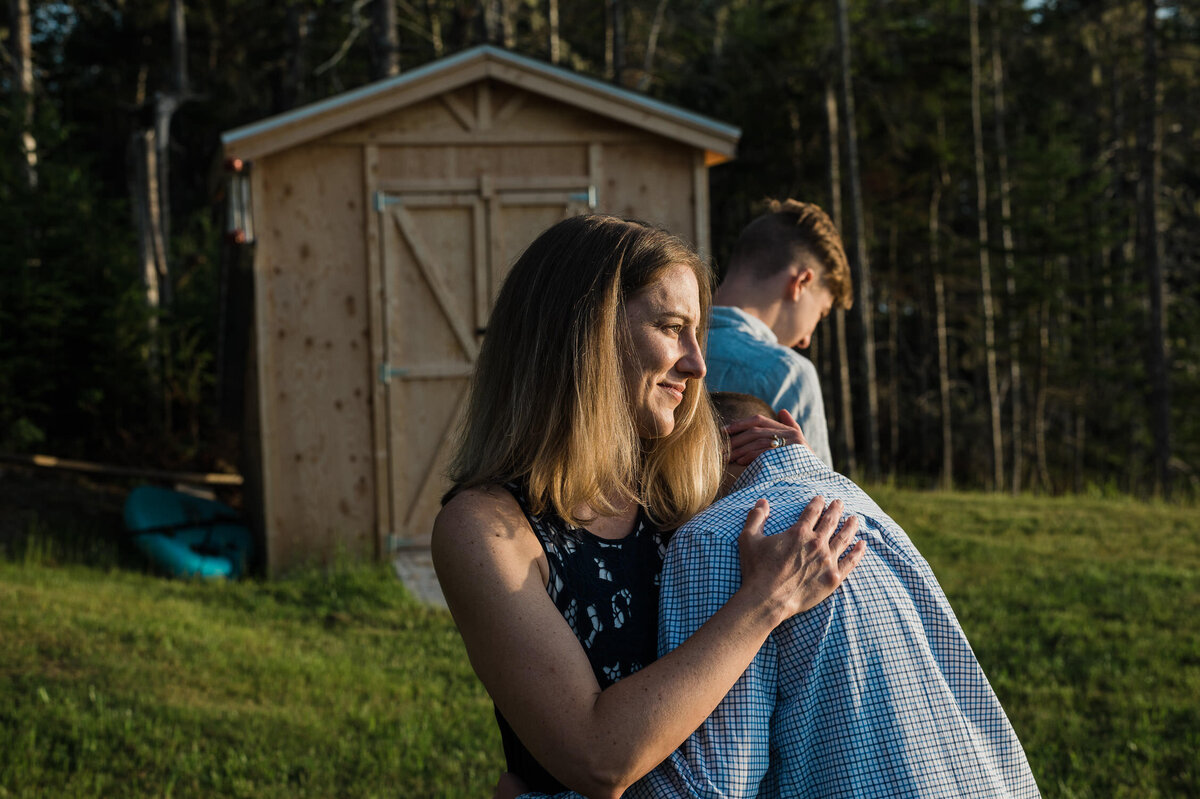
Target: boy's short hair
791 229
732 405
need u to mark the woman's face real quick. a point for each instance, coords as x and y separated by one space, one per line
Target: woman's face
662 319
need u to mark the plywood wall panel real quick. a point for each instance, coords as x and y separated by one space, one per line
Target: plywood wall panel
651 181
318 434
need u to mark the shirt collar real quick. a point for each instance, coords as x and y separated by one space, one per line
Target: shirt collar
793 461
732 316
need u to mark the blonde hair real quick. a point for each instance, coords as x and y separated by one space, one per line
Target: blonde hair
770 243
548 403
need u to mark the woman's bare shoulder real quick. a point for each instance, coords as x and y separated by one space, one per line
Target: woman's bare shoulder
482 544
484 519
478 511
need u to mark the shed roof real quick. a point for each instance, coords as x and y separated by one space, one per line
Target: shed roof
271 135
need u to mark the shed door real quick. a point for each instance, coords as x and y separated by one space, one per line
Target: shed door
444 256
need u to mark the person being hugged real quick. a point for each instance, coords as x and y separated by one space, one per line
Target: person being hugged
588 437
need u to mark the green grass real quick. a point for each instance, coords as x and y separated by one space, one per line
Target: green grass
114 682
120 684
1085 614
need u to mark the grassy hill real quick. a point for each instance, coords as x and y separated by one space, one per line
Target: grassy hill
114 682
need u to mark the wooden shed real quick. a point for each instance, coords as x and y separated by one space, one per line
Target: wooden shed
382 222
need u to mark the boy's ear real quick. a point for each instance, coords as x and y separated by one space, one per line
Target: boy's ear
800 281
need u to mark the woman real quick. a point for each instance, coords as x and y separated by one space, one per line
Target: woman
588 436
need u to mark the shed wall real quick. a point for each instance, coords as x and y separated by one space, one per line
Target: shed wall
314 337
322 259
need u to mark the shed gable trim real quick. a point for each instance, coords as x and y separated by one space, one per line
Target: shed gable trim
328 116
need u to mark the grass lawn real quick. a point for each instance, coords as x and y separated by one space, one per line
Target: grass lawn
114 682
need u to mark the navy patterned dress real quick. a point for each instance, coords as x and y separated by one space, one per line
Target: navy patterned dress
608 593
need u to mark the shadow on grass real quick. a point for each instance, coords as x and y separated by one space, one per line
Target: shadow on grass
59 519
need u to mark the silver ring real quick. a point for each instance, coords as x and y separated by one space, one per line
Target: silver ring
777 441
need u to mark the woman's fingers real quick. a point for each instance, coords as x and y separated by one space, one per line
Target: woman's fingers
755 518
803 565
810 516
754 435
748 422
829 519
785 416
852 559
844 536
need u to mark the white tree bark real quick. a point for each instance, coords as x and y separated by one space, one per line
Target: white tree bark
22 85
985 273
844 408
866 395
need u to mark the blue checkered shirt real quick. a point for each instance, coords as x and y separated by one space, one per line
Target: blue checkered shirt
873 693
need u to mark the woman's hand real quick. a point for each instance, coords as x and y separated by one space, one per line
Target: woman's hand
754 435
798 568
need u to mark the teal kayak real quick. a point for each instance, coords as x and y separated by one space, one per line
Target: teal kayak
187 536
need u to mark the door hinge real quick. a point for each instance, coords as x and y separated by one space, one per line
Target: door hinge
387 372
383 200
588 197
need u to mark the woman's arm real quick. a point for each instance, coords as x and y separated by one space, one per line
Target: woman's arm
491 569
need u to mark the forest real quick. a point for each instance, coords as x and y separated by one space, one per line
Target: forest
1017 183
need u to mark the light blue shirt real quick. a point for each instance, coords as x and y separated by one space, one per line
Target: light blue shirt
873 693
745 356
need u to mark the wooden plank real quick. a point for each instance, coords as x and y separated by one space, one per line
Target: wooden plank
460 111
319 441
264 362
434 474
700 206
544 197
107 469
378 318
433 371
495 254
458 199
510 108
483 295
596 173
493 138
432 274
483 106
433 187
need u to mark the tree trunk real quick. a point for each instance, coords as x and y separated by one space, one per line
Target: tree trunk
1010 267
651 46
22 86
1039 417
385 40
142 177
552 19
893 350
1150 169
435 26
985 273
295 67
491 21
866 395
943 348
720 29
614 40
179 67
844 440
